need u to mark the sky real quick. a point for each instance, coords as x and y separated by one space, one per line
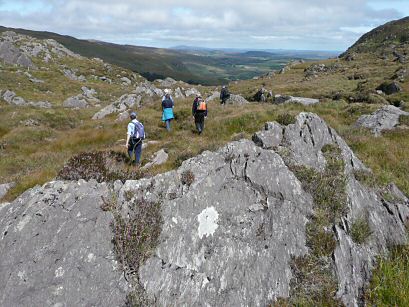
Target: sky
246 24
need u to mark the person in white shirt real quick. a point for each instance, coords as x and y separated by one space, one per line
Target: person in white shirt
167 96
134 138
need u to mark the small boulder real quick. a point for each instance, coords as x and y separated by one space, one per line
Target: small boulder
159 158
126 81
75 102
385 118
8 96
390 88
236 99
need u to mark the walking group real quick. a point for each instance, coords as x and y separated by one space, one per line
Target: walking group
136 131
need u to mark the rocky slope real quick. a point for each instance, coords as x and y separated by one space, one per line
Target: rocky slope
236 229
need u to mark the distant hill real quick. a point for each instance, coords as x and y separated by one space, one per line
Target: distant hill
382 38
190 64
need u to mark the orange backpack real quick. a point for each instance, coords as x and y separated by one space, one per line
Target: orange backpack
202 106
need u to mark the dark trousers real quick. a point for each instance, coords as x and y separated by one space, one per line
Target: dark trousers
199 121
135 146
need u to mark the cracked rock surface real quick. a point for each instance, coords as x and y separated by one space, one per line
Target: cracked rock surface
55 244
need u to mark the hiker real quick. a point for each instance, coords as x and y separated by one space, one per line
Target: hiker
260 95
167 110
166 93
135 135
199 111
224 95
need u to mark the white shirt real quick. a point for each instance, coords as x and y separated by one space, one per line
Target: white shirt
131 128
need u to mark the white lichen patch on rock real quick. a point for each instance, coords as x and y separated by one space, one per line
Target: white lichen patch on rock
59 272
207 222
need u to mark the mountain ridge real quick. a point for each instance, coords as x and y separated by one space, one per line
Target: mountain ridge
159 63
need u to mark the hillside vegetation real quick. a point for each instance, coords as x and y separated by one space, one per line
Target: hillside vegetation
35 143
383 39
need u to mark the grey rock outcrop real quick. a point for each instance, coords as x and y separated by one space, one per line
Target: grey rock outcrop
70 74
122 116
75 102
122 104
11 98
219 246
192 92
234 220
8 96
236 99
179 94
270 137
125 81
206 263
10 54
56 248
386 118
167 82
147 88
214 96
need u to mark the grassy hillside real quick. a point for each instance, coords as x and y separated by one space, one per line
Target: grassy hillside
34 154
207 68
382 38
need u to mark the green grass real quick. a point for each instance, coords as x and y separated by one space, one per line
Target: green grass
390 281
360 230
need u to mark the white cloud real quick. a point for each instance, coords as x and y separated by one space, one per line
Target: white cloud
301 24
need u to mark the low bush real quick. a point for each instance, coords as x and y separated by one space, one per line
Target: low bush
101 166
286 119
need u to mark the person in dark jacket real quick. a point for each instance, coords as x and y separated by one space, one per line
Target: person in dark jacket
224 95
167 110
199 111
